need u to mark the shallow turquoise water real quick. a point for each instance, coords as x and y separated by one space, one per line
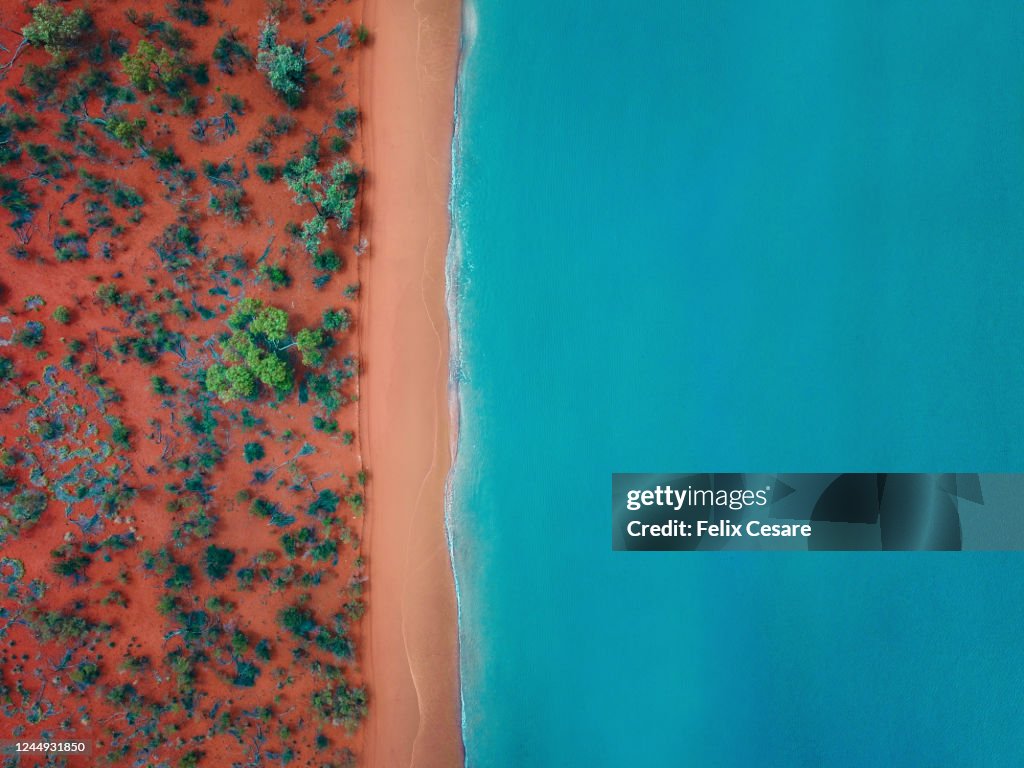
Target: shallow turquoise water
734 236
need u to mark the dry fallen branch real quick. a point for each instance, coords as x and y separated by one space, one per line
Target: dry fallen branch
4 68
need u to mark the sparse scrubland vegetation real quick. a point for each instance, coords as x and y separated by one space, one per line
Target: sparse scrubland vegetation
181 491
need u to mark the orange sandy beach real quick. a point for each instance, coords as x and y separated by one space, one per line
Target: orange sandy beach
412 648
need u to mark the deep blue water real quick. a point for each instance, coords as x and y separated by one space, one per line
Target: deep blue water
725 236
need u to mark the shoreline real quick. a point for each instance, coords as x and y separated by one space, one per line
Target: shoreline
410 655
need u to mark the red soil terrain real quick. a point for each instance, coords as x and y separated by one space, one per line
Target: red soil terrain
182 574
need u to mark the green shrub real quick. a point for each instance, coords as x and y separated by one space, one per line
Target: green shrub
28 506
328 426
261 146
15 199
278 125
268 172
217 562
54 625
310 342
166 605
85 674
165 158
160 386
128 132
55 30
336 320
253 452
30 336
234 104
345 120
327 260
284 67
296 620
253 354
333 198
228 51
151 66
276 274
71 566
231 383
108 295
341 704
125 197
262 650
119 434
62 314
192 11
230 203
245 674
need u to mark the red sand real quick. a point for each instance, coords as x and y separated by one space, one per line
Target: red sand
407 645
412 661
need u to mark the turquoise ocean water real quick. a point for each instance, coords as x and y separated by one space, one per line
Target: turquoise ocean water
725 236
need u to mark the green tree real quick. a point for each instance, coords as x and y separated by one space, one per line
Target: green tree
166 605
309 342
267 171
30 336
181 578
128 132
217 562
72 566
284 67
28 506
262 649
54 625
335 320
55 30
333 198
228 50
276 274
253 452
85 674
341 705
327 260
231 383
257 353
246 674
150 66
296 620
193 11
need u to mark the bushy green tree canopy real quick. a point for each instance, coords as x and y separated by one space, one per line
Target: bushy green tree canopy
309 342
333 198
298 621
341 704
55 30
257 352
128 132
284 67
217 562
150 66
